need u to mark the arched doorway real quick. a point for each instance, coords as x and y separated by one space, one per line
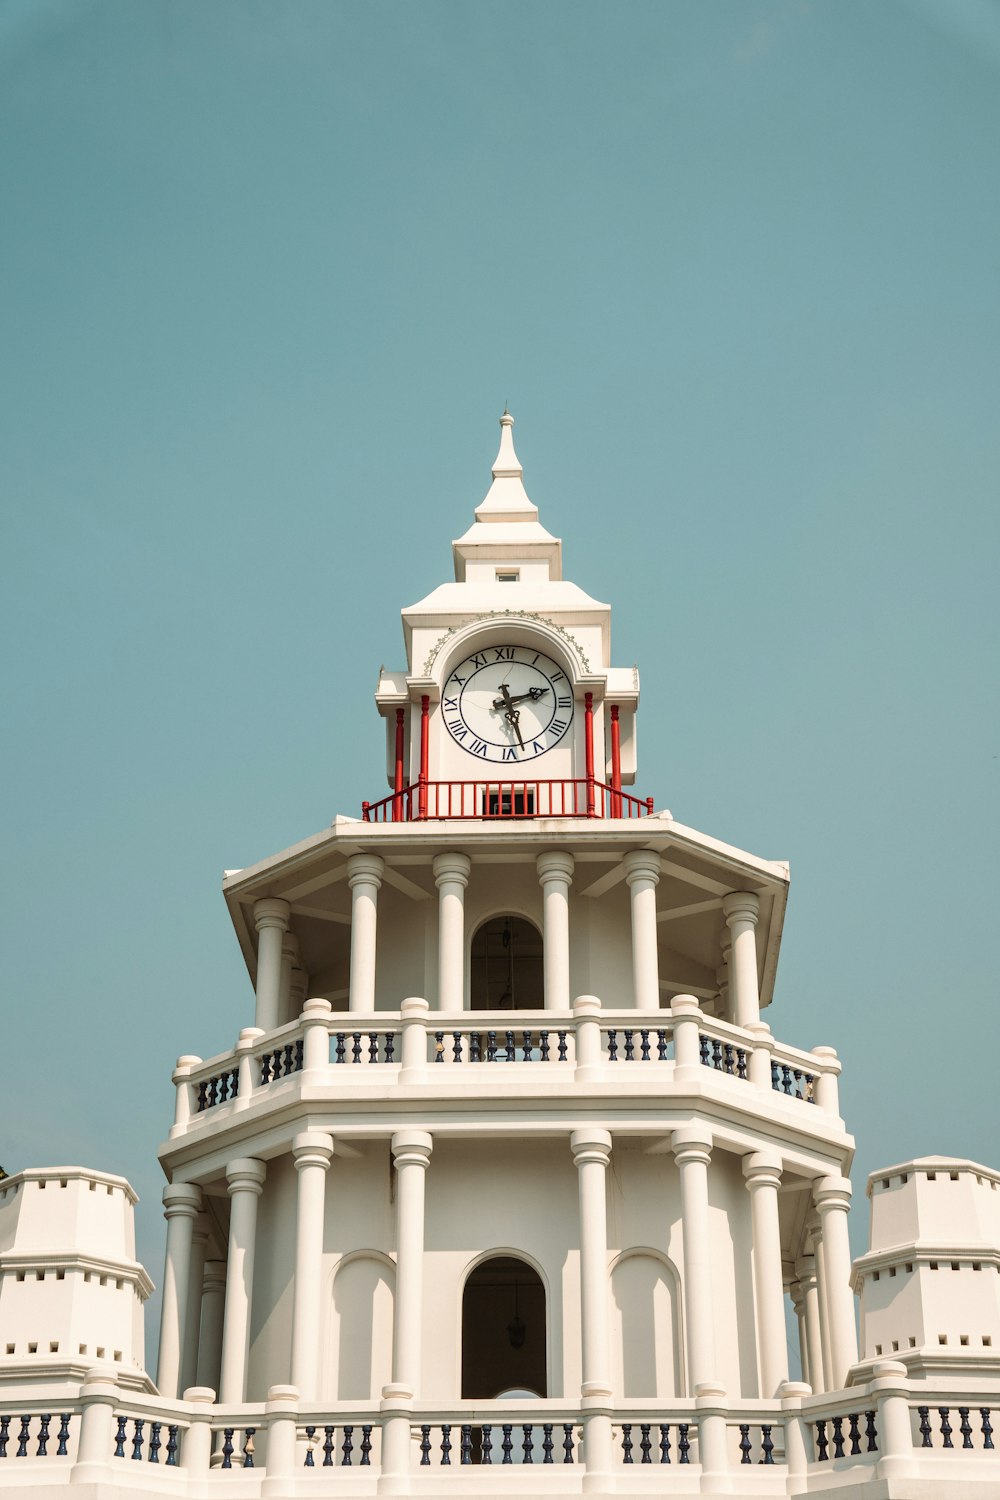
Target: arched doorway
506 971
504 1346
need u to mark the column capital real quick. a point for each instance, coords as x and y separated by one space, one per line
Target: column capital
830 1061
452 866
271 911
692 1143
181 1200
290 946
832 1192
312 1148
365 869
762 1169
412 1147
246 1175
805 1272
590 1145
741 906
642 864
555 865
214 1278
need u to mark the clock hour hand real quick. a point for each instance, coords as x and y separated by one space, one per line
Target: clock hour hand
507 701
512 716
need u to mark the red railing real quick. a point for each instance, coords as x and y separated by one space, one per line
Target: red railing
578 798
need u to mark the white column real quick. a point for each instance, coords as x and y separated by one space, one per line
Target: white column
642 869
740 909
762 1171
411 1152
364 876
246 1183
299 984
184 1106
270 917
825 1361
313 1152
192 1324
692 1148
181 1203
591 1152
812 1371
289 958
555 874
832 1196
99 1396
213 1306
451 872
722 978
799 1308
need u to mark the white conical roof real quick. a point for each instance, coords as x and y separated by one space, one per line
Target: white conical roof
507 499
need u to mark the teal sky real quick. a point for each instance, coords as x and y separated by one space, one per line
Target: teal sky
268 273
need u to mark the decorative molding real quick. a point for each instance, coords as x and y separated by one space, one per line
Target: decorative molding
507 614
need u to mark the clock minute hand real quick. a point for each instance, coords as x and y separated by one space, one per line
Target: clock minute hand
507 701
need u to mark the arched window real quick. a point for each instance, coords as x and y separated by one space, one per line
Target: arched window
506 969
503 1331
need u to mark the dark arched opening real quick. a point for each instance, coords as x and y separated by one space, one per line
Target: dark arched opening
506 970
503 1330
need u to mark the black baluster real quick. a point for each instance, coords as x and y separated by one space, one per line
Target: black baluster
475 1046
289 1059
644 1046
644 1443
425 1446
716 1054
627 1442
456 1046
661 1046
786 1078
172 1432
766 1445
543 1046
822 1447
347 1447
810 1088
507 1445
120 1438
984 1413
137 1425
775 1077
664 1442
943 1412
741 1062
439 1046
703 1049
728 1064
202 1097
213 1092
511 1050
465 1450
491 1046
526 1446
249 1433
300 1054
838 1437
629 1048
43 1434
366 1445
4 1433
356 1047
561 1056
567 1442
227 1446
154 1442
745 1442
612 1045
965 1429
276 1069
854 1434
446 1445
683 1443
871 1432
526 1045
547 1442
234 1084
797 1076
390 1045
310 1462
373 1046
925 1426
340 1052
22 1438
63 1439
487 1444
223 1093
328 1446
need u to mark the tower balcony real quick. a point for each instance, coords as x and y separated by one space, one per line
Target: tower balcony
574 797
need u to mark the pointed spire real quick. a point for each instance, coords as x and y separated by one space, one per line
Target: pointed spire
507 500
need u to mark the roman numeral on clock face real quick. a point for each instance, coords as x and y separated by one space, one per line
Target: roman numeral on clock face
558 727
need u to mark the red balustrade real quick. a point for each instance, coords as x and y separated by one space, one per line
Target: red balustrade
580 797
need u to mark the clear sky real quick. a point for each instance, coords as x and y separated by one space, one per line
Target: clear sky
268 273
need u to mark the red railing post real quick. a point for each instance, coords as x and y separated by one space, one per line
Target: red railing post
588 729
425 710
616 764
364 812
397 781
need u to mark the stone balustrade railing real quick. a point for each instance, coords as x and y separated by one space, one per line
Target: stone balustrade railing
589 1043
888 1428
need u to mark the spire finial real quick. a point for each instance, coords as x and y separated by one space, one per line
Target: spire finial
507 465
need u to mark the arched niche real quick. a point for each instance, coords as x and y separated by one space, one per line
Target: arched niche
506 965
646 1342
504 1330
364 1287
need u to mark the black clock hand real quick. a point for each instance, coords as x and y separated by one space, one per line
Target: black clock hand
512 716
507 701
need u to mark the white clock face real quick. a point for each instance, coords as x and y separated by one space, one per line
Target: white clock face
507 704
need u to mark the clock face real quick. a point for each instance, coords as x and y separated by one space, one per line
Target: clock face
507 704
